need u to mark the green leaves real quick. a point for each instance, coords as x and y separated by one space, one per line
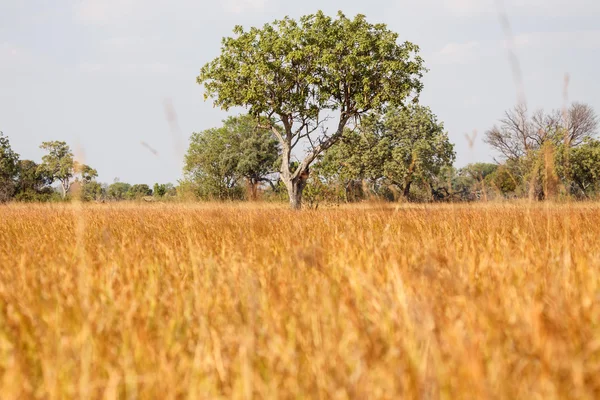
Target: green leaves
400 147
9 167
303 72
218 159
319 63
59 164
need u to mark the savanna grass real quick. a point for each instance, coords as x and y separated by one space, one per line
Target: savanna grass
255 301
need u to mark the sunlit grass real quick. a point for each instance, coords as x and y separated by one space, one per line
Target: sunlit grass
255 301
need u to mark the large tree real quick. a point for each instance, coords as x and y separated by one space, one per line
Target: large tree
9 168
302 73
219 158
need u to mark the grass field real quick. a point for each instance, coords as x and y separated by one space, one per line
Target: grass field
255 301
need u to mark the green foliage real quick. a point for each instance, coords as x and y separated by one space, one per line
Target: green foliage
314 64
218 159
583 168
85 173
503 180
159 190
138 191
33 185
479 171
9 167
91 191
403 146
58 164
118 191
299 71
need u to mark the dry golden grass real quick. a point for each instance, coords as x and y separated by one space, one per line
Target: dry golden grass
216 301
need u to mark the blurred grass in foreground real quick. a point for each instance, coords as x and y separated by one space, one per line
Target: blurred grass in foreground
255 301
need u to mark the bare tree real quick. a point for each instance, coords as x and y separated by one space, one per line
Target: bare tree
581 123
518 133
514 137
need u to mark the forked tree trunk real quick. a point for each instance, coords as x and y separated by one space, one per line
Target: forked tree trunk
295 187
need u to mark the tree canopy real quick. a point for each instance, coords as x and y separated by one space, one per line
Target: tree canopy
9 167
218 159
301 73
400 147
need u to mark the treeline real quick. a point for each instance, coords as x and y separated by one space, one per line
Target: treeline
403 154
59 177
546 155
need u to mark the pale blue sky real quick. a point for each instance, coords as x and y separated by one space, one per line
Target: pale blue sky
98 73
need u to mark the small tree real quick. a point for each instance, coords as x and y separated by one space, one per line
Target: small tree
218 159
584 162
58 164
9 167
159 190
401 147
32 183
138 191
302 72
118 191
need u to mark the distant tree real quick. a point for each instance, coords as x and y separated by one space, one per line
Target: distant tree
519 133
118 191
403 146
58 164
253 150
478 171
214 176
581 123
159 190
91 191
170 190
302 72
32 183
530 145
84 173
584 163
9 167
218 159
138 191
503 180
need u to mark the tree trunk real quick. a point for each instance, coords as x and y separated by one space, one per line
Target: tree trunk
253 188
407 189
295 188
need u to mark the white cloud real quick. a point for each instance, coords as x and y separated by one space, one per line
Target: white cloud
524 7
468 52
458 53
469 7
125 68
11 55
239 6
559 40
110 12
104 11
